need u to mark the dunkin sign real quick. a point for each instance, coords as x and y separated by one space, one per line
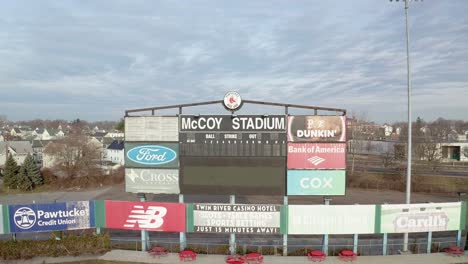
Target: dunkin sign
317 128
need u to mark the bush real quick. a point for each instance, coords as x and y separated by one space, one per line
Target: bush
68 246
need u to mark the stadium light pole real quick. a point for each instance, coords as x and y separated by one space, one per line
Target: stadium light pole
408 167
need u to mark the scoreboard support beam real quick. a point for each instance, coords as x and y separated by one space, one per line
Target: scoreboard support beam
285 236
355 244
182 238
232 237
325 236
144 233
429 242
385 242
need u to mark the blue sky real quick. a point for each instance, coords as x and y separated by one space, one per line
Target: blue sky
94 59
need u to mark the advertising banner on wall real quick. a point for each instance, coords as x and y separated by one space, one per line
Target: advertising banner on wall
316 182
51 217
152 180
168 217
403 218
316 155
152 128
2 228
233 175
316 128
235 218
151 155
331 219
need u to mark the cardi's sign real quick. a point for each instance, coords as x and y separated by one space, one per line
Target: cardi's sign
403 218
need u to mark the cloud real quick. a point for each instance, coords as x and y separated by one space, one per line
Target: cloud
100 57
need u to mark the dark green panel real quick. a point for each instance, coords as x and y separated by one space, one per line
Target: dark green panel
100 213
189 215
233 175
378 217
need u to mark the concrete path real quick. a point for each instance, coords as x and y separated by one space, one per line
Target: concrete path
143 257
439 258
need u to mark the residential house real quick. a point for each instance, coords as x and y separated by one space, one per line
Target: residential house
38 149
115 152
49 160
42 134
48 133
16 132
18 149
115 134
388 129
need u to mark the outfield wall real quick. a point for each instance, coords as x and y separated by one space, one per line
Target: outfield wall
261 219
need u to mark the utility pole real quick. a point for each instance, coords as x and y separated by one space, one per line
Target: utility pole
409 154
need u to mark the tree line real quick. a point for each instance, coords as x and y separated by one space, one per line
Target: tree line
25 177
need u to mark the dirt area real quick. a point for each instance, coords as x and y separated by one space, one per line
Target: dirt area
117 192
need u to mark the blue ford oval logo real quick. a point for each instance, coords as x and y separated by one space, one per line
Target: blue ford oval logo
151 155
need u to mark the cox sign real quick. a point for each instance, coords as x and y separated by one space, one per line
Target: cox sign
316 182
154 155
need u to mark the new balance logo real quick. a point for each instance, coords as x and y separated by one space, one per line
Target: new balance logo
149 218
316 160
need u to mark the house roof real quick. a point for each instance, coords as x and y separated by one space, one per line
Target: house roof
20 147
117 145
17 130
99 134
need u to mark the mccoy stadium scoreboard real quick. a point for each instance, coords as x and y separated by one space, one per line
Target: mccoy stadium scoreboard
238 136
236 154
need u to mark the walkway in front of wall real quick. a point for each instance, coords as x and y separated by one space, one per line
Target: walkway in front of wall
143 257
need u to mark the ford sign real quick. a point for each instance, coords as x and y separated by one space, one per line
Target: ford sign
151 155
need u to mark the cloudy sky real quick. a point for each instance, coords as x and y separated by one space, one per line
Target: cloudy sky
94 59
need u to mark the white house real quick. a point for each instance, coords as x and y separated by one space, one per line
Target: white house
115 134
115 152
19 150
388 130
42 134
16 132
49 160
454 151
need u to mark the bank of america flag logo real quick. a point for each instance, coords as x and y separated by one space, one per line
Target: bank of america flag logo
150 218
316 160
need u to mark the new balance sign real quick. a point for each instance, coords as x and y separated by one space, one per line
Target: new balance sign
316 155
168 217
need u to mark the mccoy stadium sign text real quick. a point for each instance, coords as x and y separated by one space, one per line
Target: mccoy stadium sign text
230 123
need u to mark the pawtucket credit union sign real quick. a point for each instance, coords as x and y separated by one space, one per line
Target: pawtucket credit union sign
168 217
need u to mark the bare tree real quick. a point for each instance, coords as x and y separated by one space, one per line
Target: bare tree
75 156
356 136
